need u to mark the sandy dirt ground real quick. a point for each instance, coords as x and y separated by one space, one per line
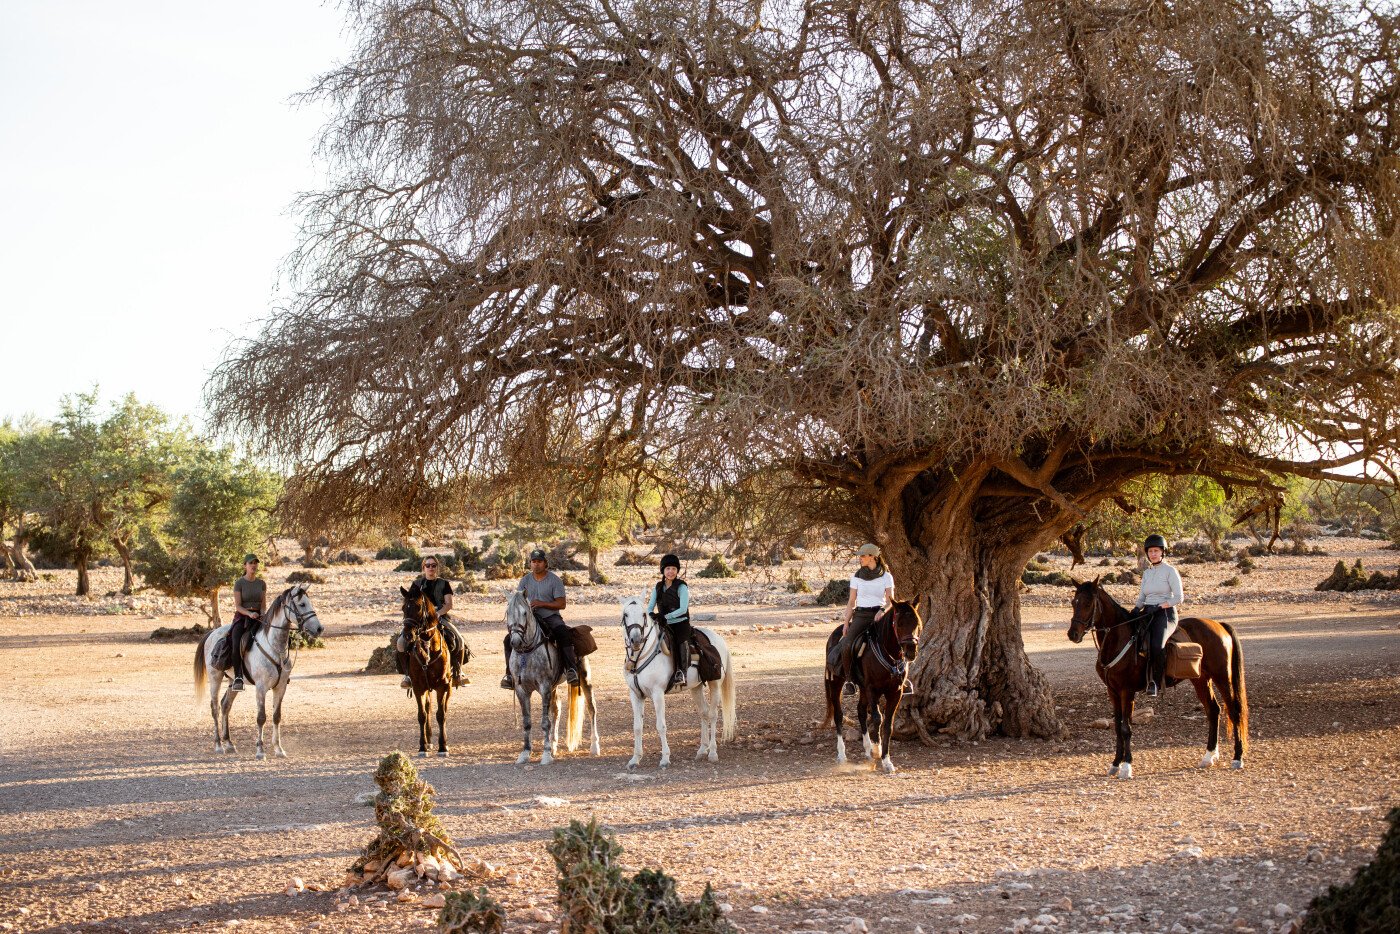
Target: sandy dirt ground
116 814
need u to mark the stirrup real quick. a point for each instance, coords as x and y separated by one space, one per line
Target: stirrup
571 675
849 689
508 683
236 686
1152 689
460 680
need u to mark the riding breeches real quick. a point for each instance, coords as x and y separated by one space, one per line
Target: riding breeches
238 634
1159 629
457 650
861 620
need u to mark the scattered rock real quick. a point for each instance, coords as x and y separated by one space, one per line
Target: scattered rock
545 801
295 886
1103 723
435 900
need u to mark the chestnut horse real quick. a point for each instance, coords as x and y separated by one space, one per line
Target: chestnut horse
891 643
429 668
1116 633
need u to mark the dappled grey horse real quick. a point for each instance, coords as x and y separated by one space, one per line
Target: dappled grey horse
538 668
269 665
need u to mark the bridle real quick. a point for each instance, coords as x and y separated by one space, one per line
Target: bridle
908 646
636 643
1100 632
299 619
418 630
518 623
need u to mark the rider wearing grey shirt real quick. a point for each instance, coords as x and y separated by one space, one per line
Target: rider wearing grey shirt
545 592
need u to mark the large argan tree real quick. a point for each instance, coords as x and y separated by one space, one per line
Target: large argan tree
958 271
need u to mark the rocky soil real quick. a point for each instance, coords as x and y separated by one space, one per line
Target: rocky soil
116 815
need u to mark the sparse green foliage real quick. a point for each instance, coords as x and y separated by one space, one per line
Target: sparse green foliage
404 811
221 509
471 911
1346 579
299 640
305 577
796 583
717 567
595 898
1370 902
396 551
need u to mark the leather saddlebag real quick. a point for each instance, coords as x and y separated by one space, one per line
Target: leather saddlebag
1183 660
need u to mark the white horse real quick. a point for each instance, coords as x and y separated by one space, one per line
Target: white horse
538 667
269 665
648 669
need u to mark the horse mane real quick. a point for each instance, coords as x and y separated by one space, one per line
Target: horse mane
277 605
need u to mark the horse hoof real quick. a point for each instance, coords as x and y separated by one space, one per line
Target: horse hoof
632 766
596 749
664 764
261 754
1236 764
713 756
422 753
1206 761
442 753
841 758
887 766
1125 771
546 759
281 754
523 758
1113 771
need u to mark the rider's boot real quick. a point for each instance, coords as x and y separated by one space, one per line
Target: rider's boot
459 680
508 682
401 664
237 684
1157 671
570 663
682 665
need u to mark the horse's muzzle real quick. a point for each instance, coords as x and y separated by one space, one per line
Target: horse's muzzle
1075 633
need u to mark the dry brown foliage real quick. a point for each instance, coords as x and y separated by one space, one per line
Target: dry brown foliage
948 274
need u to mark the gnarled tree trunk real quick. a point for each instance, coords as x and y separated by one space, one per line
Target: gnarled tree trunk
23 567
81 560
593 575
124 550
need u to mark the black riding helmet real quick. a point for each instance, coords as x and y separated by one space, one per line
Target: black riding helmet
670 561
1155 541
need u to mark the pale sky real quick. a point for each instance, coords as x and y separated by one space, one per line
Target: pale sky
150 155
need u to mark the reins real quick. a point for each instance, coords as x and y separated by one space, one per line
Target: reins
1102 631
634 662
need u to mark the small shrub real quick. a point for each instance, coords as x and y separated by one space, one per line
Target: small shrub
796 583
1232 581
409 564
470 584
561 558
631 559
684 552
188 634
835 592
717 567
1038 566
396 551
1245 563
381 660
314 562
572 580
1346 580
347 557
1053 578
468 557
594 896
603 579
1043 558
408 828
1105 562
305 577
1370 902
1122 576
299 640
471 911
503 571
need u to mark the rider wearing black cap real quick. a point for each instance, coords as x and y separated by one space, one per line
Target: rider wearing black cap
1159 596
545 591
670 600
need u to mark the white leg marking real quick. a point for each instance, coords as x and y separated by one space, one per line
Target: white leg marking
1125 770
840 749
1236 763
887 765
1208 759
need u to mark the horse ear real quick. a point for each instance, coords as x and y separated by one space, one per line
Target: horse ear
403 591
1096 579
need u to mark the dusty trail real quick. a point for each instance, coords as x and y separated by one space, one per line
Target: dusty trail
115 814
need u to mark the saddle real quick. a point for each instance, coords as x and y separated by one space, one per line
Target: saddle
221 658
704 654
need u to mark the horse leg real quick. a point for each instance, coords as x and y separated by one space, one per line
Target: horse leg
216 678
1208 701
863 718
892 697
596 747
262 718
658 703
549 721
697 694
716 706
838 717
421 700
522 698
1117 732
224 706
1126 726
638 710
277 749
442 722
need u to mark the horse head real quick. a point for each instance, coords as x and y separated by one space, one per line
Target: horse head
906 627
420 612
633 621
299 605
1088 609
520 620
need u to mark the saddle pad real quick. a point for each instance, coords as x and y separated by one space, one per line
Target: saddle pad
707 659
219 659
1183 660
584 643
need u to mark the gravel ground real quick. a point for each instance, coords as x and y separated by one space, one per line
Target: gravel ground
115 814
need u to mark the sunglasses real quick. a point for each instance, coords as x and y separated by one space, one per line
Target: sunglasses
430 566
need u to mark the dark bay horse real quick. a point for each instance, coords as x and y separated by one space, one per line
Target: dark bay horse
1115 632
893 642
429 667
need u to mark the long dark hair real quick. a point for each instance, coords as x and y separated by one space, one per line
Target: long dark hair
875 573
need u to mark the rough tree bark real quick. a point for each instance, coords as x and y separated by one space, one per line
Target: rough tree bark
124 550
81 561
593 575
23 568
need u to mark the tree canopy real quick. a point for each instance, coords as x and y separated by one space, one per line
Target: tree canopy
957 272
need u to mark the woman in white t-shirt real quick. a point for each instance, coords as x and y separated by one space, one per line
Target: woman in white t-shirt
872 590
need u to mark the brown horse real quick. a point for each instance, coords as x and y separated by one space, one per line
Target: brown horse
1123 670
429 667
891 643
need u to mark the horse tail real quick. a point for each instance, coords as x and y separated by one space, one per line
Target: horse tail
728 706
573 731
201 677
1238 700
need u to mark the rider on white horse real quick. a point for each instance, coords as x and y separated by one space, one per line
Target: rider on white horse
545 592
249 604
439 592
670 604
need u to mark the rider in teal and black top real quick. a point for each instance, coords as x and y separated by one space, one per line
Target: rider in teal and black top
670 599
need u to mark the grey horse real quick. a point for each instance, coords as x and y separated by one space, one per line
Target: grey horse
269 665
538 668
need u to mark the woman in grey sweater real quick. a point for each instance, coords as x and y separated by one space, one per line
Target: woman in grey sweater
1159 596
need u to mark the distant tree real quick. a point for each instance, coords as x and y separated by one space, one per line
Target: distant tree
221 509
960 271
17 475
